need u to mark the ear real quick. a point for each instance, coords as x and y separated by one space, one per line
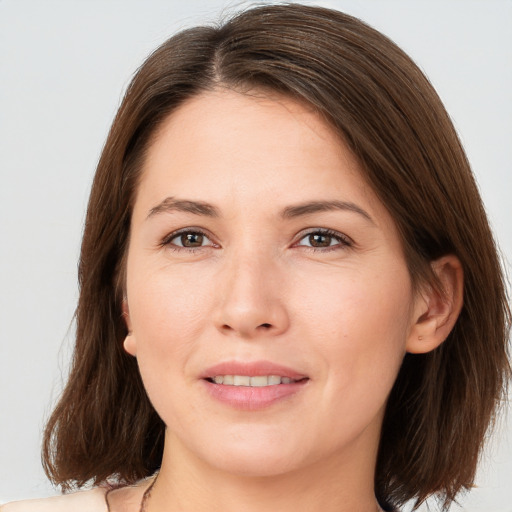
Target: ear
129 344
436 311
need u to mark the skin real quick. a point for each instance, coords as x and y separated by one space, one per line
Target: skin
253 288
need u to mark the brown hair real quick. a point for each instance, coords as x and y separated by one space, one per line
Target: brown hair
378 100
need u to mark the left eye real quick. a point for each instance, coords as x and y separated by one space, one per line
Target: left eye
321 239
189 239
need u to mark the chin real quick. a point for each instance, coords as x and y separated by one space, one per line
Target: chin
257 463
252 454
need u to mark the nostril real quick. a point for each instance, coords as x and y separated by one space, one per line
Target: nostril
247 330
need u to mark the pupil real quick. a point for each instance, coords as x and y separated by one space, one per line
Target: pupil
192 239
319 240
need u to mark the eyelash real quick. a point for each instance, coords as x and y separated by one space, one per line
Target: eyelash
343 240
167 241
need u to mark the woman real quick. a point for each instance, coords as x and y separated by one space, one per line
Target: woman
281 303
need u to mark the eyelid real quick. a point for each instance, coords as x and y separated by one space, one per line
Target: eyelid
166 241
344 240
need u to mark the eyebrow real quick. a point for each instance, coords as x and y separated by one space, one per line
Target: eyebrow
323 206
170 204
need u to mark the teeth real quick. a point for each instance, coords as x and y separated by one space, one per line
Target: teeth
245 380
259 381
274 379
241 380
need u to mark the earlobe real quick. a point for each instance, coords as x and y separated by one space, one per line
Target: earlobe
437 308
129 344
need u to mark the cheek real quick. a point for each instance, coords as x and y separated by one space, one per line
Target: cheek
361 324
169 304
169 314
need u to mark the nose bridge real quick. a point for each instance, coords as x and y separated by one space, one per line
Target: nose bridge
251 303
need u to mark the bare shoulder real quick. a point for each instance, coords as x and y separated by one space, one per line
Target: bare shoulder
81 501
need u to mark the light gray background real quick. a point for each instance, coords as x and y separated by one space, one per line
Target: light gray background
63 68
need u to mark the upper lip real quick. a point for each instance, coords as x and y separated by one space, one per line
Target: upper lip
251 369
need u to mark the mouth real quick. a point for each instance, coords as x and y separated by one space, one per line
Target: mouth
253 386
257 381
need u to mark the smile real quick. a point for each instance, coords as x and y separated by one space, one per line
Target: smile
253 385
255 381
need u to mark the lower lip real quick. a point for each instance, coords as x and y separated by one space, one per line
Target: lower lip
253 398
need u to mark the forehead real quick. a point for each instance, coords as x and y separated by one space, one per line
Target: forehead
249 126
239 148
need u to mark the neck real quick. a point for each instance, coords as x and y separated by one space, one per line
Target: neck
341 483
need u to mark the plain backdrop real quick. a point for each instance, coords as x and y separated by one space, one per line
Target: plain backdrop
63 68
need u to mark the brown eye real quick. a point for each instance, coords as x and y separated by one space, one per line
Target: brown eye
188 240
192 239
325 240
319 240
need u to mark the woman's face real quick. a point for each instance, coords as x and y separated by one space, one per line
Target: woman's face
268 297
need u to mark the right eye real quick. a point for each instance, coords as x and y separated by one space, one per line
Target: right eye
187 239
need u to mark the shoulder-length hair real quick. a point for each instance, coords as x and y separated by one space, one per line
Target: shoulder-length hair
382 105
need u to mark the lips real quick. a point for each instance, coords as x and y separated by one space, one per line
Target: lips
252 369
255 382
252 385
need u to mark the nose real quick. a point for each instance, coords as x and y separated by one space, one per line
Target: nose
251 302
